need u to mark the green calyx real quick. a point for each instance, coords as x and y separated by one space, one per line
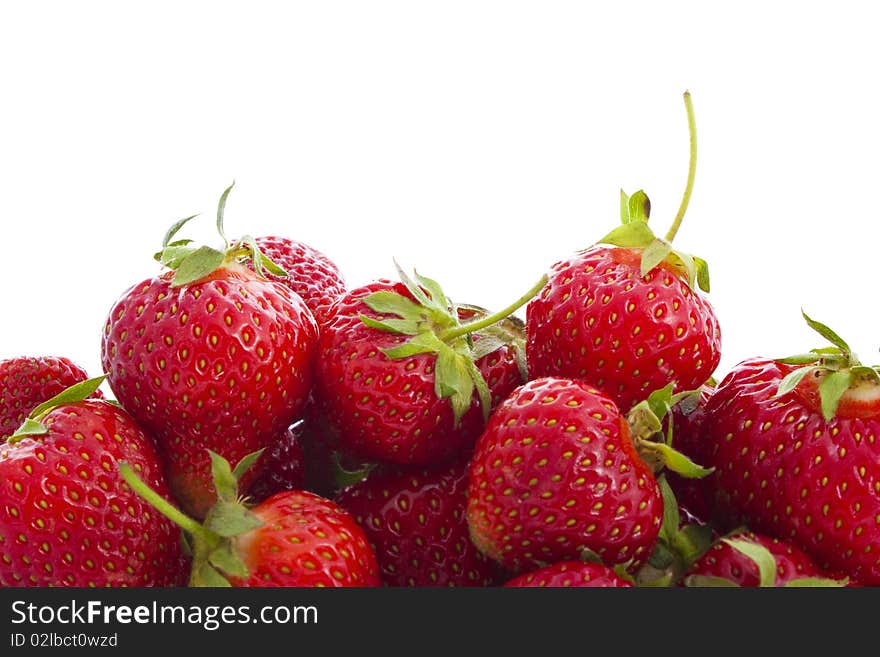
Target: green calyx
433 323
635 233
837 367
677 546
212 543
767 570
652 442
192 263
33 425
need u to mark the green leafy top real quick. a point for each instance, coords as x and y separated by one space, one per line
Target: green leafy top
433 323
212 543
33 425
653 444
192 263
837 367
635 233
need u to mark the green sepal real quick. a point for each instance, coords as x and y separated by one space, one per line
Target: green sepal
661 401
207 576
702 274
261 260
635 208
29 427
590 556
661 556
392 303
225 559
865 372
816 582
800 359
663 580
221 209
671 514
792 379
483 392
230 519
635 234
173 231
453 379
225 482
413 288
399 326
344 478
197 265
692 542
827 333
676 461
246 463
423 343
762 557
435 292
709 581
653 254
831 389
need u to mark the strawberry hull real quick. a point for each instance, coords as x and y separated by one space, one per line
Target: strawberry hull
223 363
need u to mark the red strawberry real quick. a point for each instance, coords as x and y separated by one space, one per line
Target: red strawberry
402 380
68 518
627 317
749 559
209 355
694 495
571 573
25 383
311 274
292 539
281 466
796 450
555 473
416 522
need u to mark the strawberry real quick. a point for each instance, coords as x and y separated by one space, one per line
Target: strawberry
281 466
573 574
750 560
311 274
694 495
25 383
795 447
416 522
402 380
68 518
209 355
556 474
292 539
626 314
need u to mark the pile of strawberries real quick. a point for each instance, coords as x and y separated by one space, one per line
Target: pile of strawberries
272 427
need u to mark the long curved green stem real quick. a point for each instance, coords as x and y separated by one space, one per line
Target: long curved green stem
488 320
692 168
163 506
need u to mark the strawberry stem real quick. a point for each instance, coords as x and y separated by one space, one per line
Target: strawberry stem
488 320
164 507
692 168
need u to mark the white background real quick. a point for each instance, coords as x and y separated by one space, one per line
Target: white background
478 141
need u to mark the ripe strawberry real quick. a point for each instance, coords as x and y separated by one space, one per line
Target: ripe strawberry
68 518
281 466
416 522
402 380
209 355
795 446
556 473
291 539
311 274
25 383
625 314
749 559
571 573
694 495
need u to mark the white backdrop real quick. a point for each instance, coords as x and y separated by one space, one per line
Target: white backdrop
478 141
